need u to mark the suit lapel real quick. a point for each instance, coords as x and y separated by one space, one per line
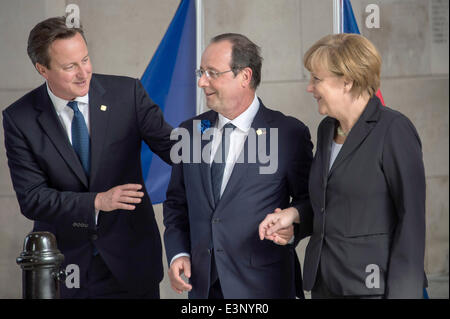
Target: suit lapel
51 125
358 133
327 138
205 167
98 118
240 169
239 172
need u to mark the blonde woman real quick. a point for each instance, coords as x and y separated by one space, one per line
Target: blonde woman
366 185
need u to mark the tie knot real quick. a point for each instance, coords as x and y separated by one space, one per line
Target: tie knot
73 105
229 125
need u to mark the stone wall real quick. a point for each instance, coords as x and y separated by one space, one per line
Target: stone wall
123 35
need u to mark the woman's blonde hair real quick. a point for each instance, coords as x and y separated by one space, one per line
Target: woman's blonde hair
349 55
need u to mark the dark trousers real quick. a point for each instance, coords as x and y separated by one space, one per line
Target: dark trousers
215 291
101 284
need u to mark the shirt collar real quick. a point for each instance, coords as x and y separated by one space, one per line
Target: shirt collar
244 120
60 103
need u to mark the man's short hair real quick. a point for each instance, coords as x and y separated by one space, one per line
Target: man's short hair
244 54
43 35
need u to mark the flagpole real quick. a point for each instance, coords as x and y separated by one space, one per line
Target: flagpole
199 49
337 16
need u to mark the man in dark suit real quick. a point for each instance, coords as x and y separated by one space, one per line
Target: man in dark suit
73 147
223 187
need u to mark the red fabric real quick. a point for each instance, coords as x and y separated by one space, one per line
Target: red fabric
380 97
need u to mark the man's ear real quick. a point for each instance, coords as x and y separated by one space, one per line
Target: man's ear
246 77
42 70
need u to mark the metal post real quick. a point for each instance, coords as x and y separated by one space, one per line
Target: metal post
199 49
40 261
337 16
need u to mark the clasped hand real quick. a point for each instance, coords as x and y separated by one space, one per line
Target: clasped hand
278 226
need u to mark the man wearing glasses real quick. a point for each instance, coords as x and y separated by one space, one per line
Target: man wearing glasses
213 207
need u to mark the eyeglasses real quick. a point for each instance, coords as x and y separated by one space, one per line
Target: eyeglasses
210 74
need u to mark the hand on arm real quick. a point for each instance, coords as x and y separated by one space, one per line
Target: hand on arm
282 236
278 226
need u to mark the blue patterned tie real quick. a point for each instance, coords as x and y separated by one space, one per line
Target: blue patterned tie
218 165
80 136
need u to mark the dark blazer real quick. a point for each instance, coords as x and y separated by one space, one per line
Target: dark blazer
247 267
369 209
53 190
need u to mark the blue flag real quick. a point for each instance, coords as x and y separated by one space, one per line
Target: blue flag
349 24
171 83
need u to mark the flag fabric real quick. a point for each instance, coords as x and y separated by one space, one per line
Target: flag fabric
348 20
349 25
171 83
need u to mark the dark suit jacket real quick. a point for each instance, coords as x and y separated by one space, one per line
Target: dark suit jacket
369 209
53 190
247 267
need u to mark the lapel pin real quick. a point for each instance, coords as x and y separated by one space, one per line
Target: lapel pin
103 108
260 132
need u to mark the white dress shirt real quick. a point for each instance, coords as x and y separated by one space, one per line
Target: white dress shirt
65 115
237 139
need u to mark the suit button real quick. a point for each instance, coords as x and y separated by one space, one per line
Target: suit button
216 220
322 209
94 237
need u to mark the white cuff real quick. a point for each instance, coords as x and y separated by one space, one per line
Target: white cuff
177 256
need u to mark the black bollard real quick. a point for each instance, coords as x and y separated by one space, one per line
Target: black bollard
40 262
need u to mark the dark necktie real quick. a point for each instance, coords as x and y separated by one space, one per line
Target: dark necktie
80 136
218 165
